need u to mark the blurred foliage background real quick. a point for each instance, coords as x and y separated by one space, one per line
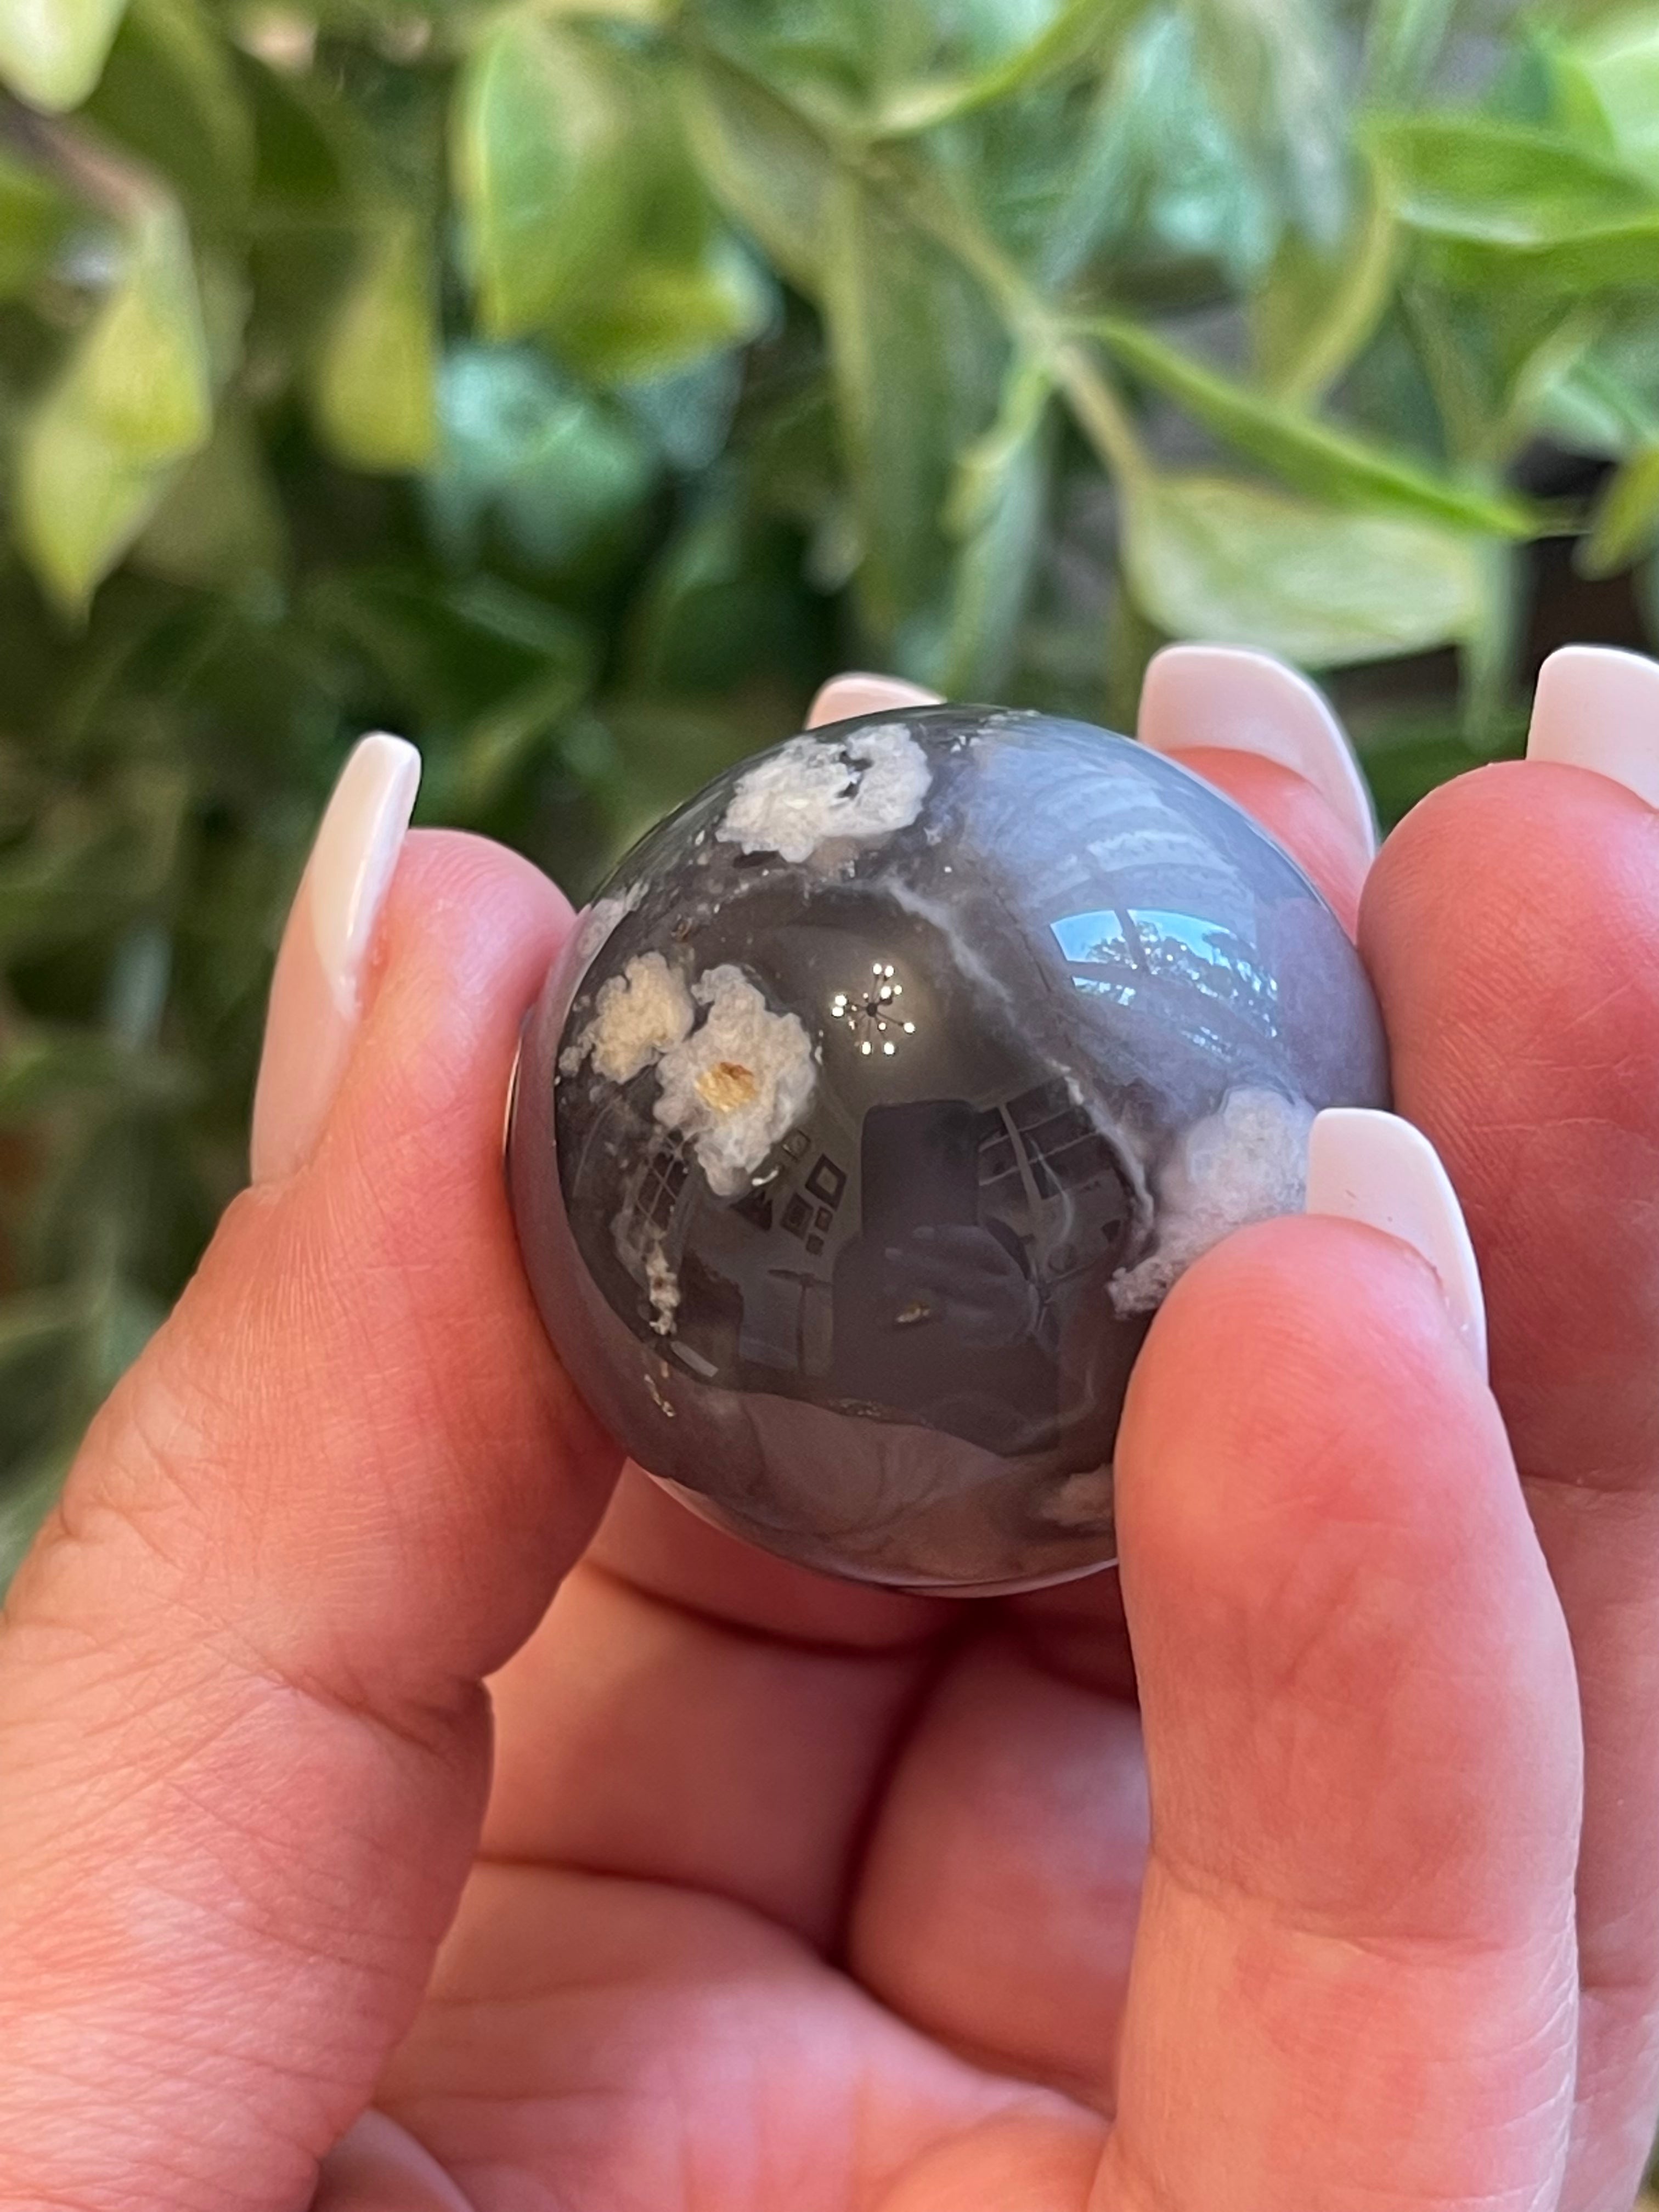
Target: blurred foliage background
571 387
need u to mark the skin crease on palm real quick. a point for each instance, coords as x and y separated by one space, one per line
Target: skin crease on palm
787 1896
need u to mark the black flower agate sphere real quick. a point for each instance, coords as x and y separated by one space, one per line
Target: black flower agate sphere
878 1101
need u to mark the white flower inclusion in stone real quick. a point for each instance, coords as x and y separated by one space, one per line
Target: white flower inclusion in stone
637 1016
1246 1161
596 922
663 1289
738 1083
865 785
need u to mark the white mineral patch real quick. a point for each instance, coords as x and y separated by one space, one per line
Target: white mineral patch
1246 1161
869 785
596 922
663 1289
637 1016
737 1084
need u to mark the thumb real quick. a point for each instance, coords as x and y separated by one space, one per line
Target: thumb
243 1740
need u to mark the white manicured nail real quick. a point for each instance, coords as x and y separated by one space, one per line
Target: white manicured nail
1598 708
1365 1165
316 992
844 696
1244 701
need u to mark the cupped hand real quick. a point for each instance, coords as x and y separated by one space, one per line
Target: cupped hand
787 1896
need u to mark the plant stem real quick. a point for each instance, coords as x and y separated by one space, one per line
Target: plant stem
1033 327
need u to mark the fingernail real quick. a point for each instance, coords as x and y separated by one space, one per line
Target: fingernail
377 2166
844 696
1598 708
1365 1165
1250 703
316 992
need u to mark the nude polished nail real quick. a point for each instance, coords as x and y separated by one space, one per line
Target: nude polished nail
844 696
1596 706
1240 701
1369 1166
317 990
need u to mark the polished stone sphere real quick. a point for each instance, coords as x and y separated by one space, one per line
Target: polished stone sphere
878 1102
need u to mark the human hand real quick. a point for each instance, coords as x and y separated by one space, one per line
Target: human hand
792 1894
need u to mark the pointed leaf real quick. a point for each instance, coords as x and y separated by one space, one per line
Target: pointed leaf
997 509
1317 308
1075 30
1609 78
1402 41
1213 558
547 170
220 523
51 51
1502 184
36 218
669 315
1316 457
587 219
525 449
768 169
1507 201
1627 519
1272 68
375 383
131 403
170 92
916 358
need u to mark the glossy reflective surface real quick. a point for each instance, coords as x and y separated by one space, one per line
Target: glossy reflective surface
879 1100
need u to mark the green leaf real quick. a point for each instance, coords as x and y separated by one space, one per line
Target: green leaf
374 384
616 11
1403 39
1318 307
170 94
91 863
36 218
1490 359
1316 457
545 167
1075 31
46 1064
667 315
1608 81
687 413
916 361
51 51
1626 521
525 449
997 509
220 524
1502 184
1272 68
1503 198
1159 176
771 171
722 609
1210 556
587 220
132 402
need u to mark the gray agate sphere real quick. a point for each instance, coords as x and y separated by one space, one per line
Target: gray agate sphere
878 1101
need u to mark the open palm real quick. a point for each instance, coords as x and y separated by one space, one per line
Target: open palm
786 1896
